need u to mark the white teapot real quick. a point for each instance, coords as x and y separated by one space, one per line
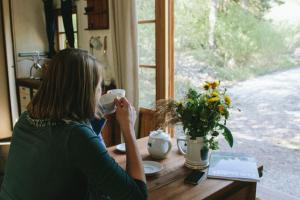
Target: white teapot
159 144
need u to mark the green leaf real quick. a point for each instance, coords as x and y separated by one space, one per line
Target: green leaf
227 134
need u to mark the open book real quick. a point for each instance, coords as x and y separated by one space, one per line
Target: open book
232 166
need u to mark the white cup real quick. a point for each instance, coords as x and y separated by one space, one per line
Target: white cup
118 92
107 104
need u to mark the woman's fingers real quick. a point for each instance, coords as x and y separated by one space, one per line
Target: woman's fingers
117 103
124 101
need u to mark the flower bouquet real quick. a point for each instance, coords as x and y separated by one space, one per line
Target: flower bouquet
203 116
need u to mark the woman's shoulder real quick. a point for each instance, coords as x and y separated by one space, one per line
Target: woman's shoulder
81 131
38 123
81 135
26 119
66 126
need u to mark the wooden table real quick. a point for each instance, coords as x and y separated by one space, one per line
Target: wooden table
169 183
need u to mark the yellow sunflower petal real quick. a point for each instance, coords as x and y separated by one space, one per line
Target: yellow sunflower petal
214 84
213 99
227 100
206 86
214 94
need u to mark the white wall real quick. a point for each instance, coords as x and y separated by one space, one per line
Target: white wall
29 25
85 35
30 31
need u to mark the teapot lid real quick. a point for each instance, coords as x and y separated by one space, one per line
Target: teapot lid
159 134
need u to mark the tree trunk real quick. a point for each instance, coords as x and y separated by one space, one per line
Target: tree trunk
244 4
212 23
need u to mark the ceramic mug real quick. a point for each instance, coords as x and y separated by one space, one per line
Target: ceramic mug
118 92
106 103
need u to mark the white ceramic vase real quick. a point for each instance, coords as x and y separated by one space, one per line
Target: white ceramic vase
196 154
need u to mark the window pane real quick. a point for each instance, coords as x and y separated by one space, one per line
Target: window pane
61 27
145 9
147 87
76 40
74 18
190 69
62 41
146 44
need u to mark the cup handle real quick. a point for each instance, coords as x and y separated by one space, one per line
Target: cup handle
170 147
179 147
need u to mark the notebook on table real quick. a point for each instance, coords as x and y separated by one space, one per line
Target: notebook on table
233 166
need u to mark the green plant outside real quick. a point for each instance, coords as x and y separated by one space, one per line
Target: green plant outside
246 44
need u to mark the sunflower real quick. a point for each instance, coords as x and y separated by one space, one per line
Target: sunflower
227 100
206 86
213 99
221 109
214 84
215 94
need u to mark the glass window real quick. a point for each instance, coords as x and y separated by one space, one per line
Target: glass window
146 9
147 87
146 43
76 40
62 41
74 19
61 32
147 52
61 27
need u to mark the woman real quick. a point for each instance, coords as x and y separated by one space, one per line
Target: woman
56 155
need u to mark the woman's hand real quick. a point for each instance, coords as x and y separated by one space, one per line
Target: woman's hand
126 117
125 113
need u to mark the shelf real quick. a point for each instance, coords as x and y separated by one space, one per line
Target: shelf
95 29
28 82
96 13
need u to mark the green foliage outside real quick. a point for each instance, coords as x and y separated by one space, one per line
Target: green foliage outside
245 43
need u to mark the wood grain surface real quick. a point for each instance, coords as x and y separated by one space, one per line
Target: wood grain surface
169 183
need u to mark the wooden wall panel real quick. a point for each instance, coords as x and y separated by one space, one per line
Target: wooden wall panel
5 114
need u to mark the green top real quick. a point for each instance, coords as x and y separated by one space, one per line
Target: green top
63 161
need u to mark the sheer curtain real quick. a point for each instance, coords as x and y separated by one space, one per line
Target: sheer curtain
124 39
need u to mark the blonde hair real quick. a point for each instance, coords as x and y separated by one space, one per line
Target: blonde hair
69 87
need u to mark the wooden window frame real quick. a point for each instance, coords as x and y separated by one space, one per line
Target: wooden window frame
171 67
161 49
164 37
164 56
58 33
165 49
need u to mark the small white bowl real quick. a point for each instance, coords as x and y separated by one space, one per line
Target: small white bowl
121 147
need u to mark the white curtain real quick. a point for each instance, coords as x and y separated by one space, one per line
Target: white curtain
124 39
